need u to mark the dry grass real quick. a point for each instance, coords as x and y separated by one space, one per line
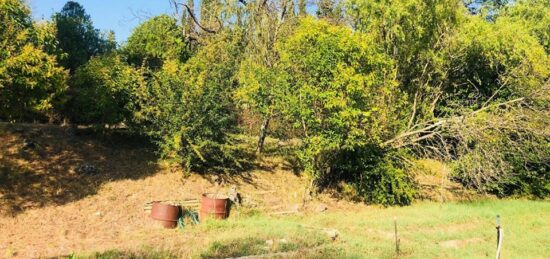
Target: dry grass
45 174
435 185
48 210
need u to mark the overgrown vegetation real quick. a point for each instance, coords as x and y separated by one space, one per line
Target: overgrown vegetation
367 87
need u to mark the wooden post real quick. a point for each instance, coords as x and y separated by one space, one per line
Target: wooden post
499 236
396 236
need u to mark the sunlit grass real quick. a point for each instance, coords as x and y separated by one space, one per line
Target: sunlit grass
452 230
425 230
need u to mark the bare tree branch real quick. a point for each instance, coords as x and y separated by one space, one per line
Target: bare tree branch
400 139
192 15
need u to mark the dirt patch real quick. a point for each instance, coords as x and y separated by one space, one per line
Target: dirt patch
114 216
38 165
49 209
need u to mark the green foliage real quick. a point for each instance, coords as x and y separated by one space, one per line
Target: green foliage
103 91
400 76
155 41
46 37
338 87
503 147
188 108
413 33
31 83
534 15
377 176
508 156
77 36
499 61
407 29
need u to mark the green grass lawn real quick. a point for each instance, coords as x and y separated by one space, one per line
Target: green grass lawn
426 230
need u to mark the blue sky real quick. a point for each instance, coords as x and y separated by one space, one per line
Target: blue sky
121 16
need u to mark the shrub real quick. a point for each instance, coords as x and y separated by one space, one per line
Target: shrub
534 15
102 91
32 85
375 175
189 110
339 90
501 143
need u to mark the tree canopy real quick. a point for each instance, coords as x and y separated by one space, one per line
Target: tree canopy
155 41
364 88
31 82
77 36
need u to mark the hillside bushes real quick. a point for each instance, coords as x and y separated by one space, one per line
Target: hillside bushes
32 85
188 109
366 90
340 90
500 85
103 92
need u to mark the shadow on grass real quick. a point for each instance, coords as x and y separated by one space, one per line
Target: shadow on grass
243 160
38 164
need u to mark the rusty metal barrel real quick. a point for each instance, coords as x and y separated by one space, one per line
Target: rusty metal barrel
214 206
166 214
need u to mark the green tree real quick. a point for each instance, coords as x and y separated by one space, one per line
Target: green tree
32 85
534 15
188 109
154 41
413 33
77 36
259 72
338 87
103 92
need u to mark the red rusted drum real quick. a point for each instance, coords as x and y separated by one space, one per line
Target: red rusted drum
166 214
214 206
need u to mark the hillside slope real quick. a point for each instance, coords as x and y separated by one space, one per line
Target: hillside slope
51 206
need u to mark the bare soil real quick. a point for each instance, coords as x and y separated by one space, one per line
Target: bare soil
48 208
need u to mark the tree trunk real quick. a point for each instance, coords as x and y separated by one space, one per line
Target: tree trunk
263 134
302 7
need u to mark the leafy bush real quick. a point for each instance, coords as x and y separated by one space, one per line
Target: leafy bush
189 110
338 89
509 156
372 175
102 91
499 61
532 14
32 85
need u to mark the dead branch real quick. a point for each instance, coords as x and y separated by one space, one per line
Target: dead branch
429 129
411 120
195 20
